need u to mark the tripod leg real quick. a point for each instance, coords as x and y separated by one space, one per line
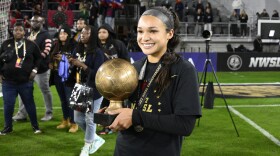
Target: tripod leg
203 77
223 97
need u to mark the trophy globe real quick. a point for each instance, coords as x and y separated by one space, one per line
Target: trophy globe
116 80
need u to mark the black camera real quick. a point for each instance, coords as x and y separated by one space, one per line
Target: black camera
6 56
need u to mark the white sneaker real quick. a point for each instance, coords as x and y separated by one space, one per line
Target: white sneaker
47 117
20 117
85 151
97 143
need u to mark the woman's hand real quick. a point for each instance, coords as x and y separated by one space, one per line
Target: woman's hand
51 66
123 120
77 63
57 57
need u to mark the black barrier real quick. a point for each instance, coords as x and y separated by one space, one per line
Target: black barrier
248 61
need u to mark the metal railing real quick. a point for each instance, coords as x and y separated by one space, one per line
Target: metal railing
224 29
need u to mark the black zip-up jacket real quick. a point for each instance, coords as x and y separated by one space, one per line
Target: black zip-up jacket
32 60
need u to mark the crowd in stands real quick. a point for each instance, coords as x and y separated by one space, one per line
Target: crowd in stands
195 16
198 14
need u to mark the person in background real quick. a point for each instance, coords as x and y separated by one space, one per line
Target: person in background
71 4
264 15
37 10
102 12
26 22
89 59
43 40
110 15
19 63
164 107
12 19
243 20
81 23
208 19
199 5
84 10
112 48
275 15
198 19
234 19
94 13
179 9
64 4
258 46
64 80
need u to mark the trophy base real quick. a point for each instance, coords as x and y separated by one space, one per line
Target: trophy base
104 119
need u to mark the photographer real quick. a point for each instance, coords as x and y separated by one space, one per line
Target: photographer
64 80
20 60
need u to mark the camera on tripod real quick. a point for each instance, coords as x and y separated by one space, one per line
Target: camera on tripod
207 35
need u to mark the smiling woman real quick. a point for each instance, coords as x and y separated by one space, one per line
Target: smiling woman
164 107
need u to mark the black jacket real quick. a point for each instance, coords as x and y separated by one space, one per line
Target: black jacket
7 67
43 40
113 48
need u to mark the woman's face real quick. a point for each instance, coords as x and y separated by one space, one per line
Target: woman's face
152 37
85 34
63 36
103 34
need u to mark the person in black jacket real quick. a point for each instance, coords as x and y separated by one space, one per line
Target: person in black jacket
64 76
42 38
243 17
208 19
112 48
94 10
19 63
89 59
164 107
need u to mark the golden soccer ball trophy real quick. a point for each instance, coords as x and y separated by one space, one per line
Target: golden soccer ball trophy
115 80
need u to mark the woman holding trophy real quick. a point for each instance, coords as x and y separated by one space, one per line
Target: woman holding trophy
165 105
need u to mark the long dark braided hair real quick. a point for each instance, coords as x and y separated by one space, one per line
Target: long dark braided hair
163 78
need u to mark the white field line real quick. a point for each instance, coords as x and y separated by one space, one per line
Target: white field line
1 108
247 84
263 131
250 106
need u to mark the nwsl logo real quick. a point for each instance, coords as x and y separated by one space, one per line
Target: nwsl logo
264 62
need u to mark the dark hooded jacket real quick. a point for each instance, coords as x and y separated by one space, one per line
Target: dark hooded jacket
113 48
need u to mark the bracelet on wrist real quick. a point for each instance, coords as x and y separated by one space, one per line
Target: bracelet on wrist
34 71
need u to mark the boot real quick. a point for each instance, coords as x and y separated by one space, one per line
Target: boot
63 124
73 128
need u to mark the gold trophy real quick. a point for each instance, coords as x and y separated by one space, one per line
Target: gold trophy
115 80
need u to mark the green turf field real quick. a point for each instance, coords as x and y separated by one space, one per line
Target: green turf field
215 135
